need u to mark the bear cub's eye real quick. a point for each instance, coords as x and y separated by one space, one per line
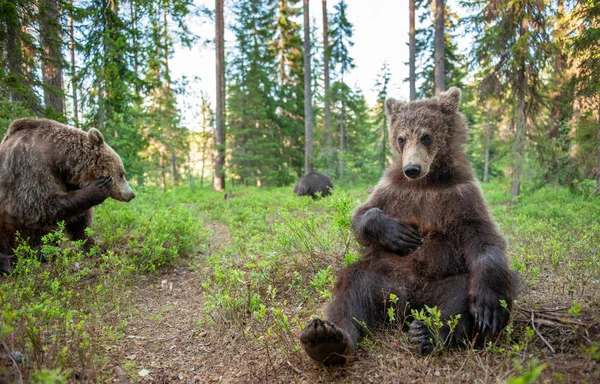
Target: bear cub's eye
401 142
426 139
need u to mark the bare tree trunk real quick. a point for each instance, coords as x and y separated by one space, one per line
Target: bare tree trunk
598 162
519 137
308 118
219 177
342 134
50 35
327 108
14 56
384 144
487 144
412 50
204 145
73 67
439 72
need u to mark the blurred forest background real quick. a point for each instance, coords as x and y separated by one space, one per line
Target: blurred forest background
530 79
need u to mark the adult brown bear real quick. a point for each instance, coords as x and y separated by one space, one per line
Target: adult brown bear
427 238
50 172
313 184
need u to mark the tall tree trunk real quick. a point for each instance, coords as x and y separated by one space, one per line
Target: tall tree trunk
342 134
327 108
14 56
219 177
73 67
598 162
204 145
412 50
50 35
308 118
384 144
439 72
519 136
487 144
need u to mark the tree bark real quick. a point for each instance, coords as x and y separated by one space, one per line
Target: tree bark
308 118
412 50
598 162
73 67
342 134
439 72
327 107
487 144
52 60
14 56
519 136
219 177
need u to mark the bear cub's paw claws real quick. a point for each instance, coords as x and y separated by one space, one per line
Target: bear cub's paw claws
421 338
325 343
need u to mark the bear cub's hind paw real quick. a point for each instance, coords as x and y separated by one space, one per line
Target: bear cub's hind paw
326 343
422 339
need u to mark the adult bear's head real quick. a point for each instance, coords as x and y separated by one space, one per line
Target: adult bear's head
424 132
106 162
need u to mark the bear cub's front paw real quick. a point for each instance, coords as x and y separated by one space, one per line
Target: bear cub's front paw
326 343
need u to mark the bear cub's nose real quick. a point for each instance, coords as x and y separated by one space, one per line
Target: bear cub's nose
412 171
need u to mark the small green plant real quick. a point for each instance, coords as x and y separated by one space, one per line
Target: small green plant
440 330
528 374
323 282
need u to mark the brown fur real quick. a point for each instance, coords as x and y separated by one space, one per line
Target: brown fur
429 239
313 184
50 172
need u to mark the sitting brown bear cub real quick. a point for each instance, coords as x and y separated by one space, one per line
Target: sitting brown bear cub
427 238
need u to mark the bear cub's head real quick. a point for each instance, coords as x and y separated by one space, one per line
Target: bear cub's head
422 132
107 163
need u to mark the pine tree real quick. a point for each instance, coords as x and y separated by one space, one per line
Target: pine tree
340 35
439 48
109 102
512 37
252 105
219 176
287 48
585 50
453 61
381 84
52 59
308 113
412 48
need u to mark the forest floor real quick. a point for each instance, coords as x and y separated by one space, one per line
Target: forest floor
207 289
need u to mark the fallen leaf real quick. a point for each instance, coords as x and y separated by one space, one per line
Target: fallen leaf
144 372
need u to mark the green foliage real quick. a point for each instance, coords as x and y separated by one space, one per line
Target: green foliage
56 314
455 69
441 330
528 374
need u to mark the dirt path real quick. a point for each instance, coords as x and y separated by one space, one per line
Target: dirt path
164 340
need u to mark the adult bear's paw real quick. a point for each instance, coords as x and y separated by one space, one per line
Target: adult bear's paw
326 343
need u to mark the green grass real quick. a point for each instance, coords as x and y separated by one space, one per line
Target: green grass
268 261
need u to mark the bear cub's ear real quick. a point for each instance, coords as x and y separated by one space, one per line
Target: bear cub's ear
450 100
391 106
95 137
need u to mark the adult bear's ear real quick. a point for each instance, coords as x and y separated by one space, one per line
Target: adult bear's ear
391 106
95 137
450 100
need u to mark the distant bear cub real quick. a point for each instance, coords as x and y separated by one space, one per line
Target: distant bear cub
427 238
50 172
